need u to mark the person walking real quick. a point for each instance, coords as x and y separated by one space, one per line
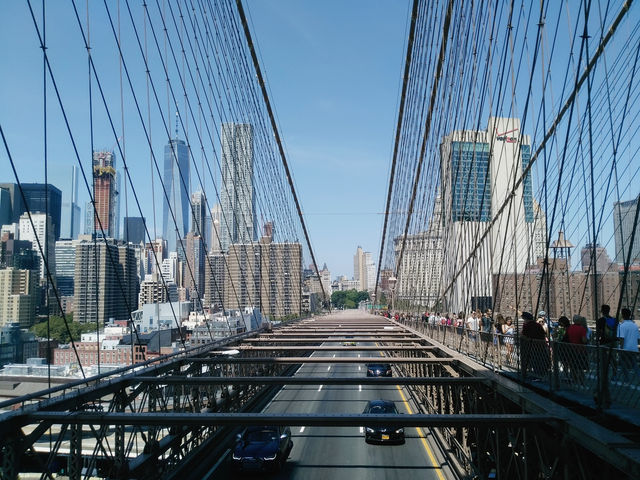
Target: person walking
561 339
473 324
508 331
629 334
535 352
578 359
607 328
606 336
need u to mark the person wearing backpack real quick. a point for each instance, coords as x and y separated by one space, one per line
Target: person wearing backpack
607 336
607 328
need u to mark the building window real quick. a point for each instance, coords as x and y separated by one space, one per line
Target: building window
471 182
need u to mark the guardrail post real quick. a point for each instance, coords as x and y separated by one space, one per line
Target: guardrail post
554 378
119 405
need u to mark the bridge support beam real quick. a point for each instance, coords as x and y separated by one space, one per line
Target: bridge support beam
75 453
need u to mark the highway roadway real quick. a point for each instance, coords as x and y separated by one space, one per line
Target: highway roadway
341 452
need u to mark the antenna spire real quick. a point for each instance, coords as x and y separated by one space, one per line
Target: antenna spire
176 125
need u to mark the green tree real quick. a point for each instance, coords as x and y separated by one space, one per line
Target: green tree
338 298
348 298
350 303
361 297
58 330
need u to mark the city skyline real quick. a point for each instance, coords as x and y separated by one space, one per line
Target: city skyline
359 140
275 25
230 213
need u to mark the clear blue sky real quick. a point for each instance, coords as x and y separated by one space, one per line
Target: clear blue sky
333 70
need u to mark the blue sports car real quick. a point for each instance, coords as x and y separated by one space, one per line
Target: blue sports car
262 448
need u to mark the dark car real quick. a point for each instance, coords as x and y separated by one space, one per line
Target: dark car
262 448
382 433
379 370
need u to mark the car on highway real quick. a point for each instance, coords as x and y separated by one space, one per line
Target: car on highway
382 433
379 370
349 343
262 449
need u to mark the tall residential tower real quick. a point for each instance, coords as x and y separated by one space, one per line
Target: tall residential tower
478 172
237 189
105 192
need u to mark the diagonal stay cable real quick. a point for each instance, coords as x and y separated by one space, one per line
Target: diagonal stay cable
276 133
570 101
436 82
40 248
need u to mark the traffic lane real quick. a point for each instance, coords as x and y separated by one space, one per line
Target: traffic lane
335 452
342 453
289 399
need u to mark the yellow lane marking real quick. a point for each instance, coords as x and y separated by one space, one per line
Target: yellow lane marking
420 432
423 439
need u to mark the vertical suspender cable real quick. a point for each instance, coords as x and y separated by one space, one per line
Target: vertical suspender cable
403 96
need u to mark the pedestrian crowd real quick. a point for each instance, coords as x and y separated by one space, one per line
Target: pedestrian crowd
533 338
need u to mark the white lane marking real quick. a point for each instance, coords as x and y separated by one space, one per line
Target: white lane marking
358 355
320 388
302 429
334 355
359 388
329 367
359 368
361 429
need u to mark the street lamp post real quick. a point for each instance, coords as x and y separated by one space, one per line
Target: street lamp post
392 286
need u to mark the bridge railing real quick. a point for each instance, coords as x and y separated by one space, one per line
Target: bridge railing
602 374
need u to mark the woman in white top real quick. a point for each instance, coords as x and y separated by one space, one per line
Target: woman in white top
508 331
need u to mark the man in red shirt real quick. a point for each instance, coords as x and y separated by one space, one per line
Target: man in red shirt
578 355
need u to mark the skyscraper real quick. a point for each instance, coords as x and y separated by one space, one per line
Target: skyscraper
478 171
325 279
237 189
111 290
88 216
105 193
602 263
265 275
216 221
134 230
214 280
419 273
70 218
18 298
40 198
624 214
199 215
364 269
176 184
41 231
65 266
5 207
280 278
10 249
195 274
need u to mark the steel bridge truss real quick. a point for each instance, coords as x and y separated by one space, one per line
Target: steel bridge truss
166 419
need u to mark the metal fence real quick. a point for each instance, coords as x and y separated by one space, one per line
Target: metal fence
604 375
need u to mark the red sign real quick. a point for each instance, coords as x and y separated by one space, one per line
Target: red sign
502 137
